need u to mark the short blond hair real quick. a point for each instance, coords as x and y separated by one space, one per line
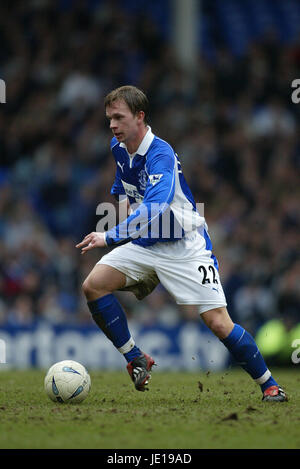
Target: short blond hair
135 99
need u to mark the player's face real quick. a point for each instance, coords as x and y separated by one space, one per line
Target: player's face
124 125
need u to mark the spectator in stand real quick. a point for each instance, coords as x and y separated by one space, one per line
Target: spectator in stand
237 130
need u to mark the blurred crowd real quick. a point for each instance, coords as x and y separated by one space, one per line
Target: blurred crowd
232 123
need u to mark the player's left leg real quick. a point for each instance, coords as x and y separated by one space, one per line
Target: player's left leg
244 350
193 278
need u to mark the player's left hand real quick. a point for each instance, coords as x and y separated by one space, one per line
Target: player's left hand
91 241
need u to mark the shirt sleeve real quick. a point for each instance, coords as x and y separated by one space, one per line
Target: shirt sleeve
117 189
159 193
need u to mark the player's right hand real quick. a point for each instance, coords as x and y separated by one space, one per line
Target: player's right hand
91 241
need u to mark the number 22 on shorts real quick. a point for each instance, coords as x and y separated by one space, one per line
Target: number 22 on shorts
209 274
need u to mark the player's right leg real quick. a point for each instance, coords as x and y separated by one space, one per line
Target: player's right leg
101 281
107 312
106 309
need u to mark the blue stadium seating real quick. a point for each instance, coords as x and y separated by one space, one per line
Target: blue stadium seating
236 23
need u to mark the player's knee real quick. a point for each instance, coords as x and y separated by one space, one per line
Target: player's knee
87 288
91 289
219 329
218 322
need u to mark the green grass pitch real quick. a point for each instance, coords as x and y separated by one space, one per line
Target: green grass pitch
180 411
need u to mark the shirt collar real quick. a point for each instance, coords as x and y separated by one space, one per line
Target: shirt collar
144 145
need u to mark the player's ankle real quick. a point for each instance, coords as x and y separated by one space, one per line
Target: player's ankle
270 382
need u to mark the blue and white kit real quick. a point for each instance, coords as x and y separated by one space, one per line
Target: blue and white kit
164 239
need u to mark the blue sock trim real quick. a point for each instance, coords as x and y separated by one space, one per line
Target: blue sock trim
95 306
235 336
271 382
134 352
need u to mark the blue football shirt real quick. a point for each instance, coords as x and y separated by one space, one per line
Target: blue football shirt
163 205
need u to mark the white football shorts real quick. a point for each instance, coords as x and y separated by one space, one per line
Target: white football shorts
185 268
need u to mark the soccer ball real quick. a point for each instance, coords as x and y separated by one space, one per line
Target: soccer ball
67 381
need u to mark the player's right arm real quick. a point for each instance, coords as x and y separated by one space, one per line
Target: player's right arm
158 195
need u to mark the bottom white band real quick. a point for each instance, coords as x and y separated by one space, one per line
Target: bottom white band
127 347
263 378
